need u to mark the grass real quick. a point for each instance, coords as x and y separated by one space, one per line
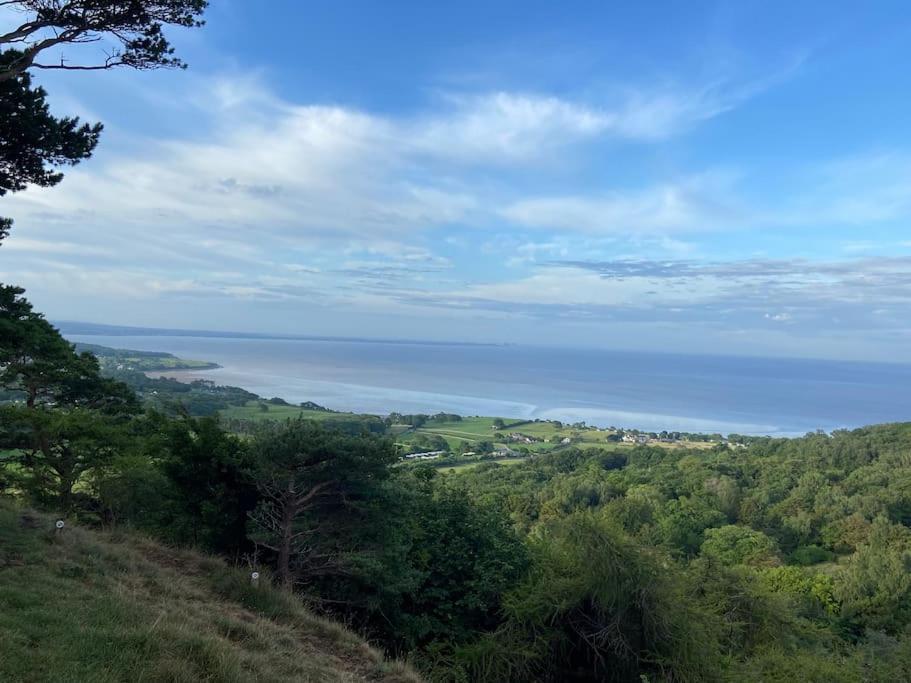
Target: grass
156 364
471 465
252 411
473 429
91 606
171 364
467 430
468 427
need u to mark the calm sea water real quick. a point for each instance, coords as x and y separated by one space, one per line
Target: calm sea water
641 390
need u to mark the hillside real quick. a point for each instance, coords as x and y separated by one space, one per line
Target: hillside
91 606
143 361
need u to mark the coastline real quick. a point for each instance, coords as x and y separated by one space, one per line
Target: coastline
636 391
337 396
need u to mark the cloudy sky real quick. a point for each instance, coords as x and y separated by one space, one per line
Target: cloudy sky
709 177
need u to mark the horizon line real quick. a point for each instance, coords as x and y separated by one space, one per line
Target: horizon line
77 327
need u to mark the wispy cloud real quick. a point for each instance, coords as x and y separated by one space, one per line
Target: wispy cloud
692 204
282 203
307 169
861 294
32 246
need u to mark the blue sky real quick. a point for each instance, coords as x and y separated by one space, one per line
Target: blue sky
698 177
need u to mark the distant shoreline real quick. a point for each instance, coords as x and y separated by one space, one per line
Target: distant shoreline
180 374
69 327
646 391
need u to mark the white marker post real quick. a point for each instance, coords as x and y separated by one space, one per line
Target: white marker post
254 579
58 527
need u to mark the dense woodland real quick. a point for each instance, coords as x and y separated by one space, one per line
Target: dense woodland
787 558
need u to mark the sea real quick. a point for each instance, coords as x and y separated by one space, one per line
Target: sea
650 391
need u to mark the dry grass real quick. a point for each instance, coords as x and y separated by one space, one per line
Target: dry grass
89 606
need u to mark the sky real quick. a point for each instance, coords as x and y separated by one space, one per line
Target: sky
708 177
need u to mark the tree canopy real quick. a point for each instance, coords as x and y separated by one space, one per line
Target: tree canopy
33 143
36 361
130 33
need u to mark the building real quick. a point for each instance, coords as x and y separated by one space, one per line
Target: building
428 455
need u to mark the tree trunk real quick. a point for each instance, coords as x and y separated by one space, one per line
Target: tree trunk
65 493
284 546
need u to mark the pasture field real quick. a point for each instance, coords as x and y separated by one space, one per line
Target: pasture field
164 364
252 411
475 463
469 430
469 427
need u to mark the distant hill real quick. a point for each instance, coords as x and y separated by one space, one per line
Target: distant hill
90 606
143 361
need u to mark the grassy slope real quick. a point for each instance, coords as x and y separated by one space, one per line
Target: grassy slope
471 465
142 360
90 606
252 411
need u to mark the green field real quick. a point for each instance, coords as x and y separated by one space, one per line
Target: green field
253 411
468 431
163 364
143 361
475 463
468 427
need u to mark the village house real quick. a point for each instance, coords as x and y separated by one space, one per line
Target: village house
428 455
517 437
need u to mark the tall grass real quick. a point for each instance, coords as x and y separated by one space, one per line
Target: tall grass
86 606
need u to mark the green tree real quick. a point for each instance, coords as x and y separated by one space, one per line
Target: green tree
753 617
595 607
684 521
483 447
33 143
428 442
212 477
132 31
875 586
732 544
58 449
38 362
464 558
315 486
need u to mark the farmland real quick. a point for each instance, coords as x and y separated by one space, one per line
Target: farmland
462 442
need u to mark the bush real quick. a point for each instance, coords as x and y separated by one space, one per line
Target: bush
596 607
263 599
807 555
733 544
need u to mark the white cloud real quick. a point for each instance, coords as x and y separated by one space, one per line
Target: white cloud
24 244
571 287
690 205
299 171
506 127
778 317
869 297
